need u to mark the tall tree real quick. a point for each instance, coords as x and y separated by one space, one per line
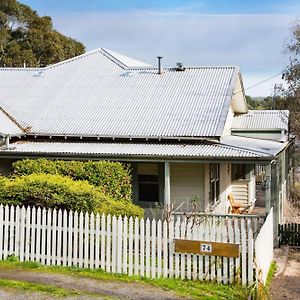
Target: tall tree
291 100
259 103
27 38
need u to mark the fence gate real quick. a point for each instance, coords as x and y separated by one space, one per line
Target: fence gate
289 234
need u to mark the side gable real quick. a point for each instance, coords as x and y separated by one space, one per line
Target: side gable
263 124
238 104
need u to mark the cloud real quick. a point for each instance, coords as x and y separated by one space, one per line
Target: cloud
254 42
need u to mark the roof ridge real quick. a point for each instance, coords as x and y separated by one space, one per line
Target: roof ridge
186 67
12 119
113 59
244 149
73 58
268 110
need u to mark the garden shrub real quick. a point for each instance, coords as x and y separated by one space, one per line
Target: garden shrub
121 208
61 192
113 178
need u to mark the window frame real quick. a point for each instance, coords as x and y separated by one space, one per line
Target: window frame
214 183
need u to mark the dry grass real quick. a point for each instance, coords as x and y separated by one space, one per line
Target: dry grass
292 206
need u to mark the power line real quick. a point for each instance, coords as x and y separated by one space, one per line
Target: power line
259 83
283 116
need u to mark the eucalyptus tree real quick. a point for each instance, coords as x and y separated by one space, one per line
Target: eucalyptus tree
27 38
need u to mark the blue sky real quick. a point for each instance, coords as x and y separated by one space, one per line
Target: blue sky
251 34
204 6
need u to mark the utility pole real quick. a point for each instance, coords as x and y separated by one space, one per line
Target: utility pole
277 89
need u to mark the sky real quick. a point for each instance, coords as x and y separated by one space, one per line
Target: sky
251 34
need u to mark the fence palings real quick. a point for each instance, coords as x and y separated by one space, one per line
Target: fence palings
264 249
289 234
125 245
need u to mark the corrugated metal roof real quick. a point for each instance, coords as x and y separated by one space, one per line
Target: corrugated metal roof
174 150
125 60
8 127
262 119
270 148
94 95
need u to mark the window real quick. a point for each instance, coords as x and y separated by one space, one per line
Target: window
238 171
148 182
214 171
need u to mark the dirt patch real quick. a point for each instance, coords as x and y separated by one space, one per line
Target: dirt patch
117 289
285 284
9 294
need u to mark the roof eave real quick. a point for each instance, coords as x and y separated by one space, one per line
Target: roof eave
126 137
17 154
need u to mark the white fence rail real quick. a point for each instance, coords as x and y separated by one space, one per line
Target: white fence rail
121 245
264 248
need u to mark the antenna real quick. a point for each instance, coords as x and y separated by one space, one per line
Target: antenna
277 89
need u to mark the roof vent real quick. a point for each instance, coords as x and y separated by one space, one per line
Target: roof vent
160 71
180 67
38 73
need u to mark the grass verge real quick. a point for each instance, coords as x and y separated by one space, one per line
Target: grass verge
270 277
262 292
203 290
17 285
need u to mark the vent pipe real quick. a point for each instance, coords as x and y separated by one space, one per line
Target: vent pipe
180 67
6 140
159 64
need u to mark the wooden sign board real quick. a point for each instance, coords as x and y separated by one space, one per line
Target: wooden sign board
207 248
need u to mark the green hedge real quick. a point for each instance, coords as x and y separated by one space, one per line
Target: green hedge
61 192
113 178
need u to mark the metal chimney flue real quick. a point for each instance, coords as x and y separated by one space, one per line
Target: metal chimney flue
159 64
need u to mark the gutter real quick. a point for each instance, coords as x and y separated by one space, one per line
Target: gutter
214 139
268 130
129 157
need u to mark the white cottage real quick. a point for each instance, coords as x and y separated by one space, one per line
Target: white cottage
186 131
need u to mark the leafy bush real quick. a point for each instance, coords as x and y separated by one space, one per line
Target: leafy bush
113 178
61 192
51 191
121 208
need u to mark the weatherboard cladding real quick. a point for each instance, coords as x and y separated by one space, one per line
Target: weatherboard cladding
196 150
92 95
262 119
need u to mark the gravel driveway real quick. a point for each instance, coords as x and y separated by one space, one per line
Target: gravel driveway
286 283
99 288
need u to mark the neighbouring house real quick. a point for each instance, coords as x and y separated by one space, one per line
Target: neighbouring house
186 131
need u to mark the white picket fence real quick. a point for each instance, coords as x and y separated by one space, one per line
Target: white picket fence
121 245
264 244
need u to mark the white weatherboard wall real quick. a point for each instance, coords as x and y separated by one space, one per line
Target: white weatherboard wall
238 102
187 181
228 123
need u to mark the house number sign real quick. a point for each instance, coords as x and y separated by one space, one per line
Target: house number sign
207 248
